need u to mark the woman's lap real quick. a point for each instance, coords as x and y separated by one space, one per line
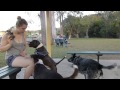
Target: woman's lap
19 61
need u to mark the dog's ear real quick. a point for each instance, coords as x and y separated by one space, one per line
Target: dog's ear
36 43
74 55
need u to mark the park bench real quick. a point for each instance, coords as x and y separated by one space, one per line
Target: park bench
98 53
12 72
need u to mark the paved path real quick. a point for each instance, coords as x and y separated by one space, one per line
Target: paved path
65 69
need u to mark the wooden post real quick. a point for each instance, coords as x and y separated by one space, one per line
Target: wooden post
48 33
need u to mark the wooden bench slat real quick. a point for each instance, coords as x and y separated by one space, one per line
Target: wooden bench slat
7 71
110 52
4 74
3 68
83 52
94 52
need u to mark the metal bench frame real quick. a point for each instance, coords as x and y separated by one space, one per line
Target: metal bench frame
98 53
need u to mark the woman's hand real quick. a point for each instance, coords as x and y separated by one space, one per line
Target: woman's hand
23 53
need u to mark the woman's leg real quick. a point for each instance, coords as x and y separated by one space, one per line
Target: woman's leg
27 63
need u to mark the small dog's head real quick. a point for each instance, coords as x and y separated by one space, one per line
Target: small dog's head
71 59
34 43
11 35
75 59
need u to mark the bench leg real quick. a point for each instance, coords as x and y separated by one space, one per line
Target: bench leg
98 57
13 76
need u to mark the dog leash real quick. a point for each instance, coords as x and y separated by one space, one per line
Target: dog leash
61 60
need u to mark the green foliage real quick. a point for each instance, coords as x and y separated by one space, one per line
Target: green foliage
104 24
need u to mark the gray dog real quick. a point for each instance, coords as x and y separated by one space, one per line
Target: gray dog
89 67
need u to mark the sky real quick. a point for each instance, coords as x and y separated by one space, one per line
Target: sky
9 18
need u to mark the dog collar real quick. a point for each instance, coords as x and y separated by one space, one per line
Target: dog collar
39 46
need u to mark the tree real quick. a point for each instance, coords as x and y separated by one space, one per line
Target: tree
88 20
72 26
53 30
43 26
60 17
108 17
75 13
96 30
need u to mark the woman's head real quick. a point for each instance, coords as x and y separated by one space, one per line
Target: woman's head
21 25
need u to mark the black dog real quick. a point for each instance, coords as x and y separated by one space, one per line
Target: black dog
89 67
41 72
41 53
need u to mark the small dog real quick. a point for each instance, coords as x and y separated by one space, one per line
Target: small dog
10 33
41 53
89 67
41 72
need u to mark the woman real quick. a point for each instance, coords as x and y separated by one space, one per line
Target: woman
16 49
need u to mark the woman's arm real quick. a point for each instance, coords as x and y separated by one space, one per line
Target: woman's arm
6 43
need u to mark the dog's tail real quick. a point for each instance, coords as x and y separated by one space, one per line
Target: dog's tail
75 73
110 66
60 60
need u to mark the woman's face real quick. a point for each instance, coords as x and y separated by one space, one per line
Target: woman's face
21 29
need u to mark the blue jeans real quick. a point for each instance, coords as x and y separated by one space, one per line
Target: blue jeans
10 60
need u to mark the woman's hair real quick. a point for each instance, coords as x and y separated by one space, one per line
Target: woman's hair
21 21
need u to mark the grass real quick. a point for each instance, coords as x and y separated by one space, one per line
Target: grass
93 44
89 44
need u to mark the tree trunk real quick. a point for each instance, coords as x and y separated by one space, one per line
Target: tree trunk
52 26
69 37
61 24
43 27
77 35
87 32
61 29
